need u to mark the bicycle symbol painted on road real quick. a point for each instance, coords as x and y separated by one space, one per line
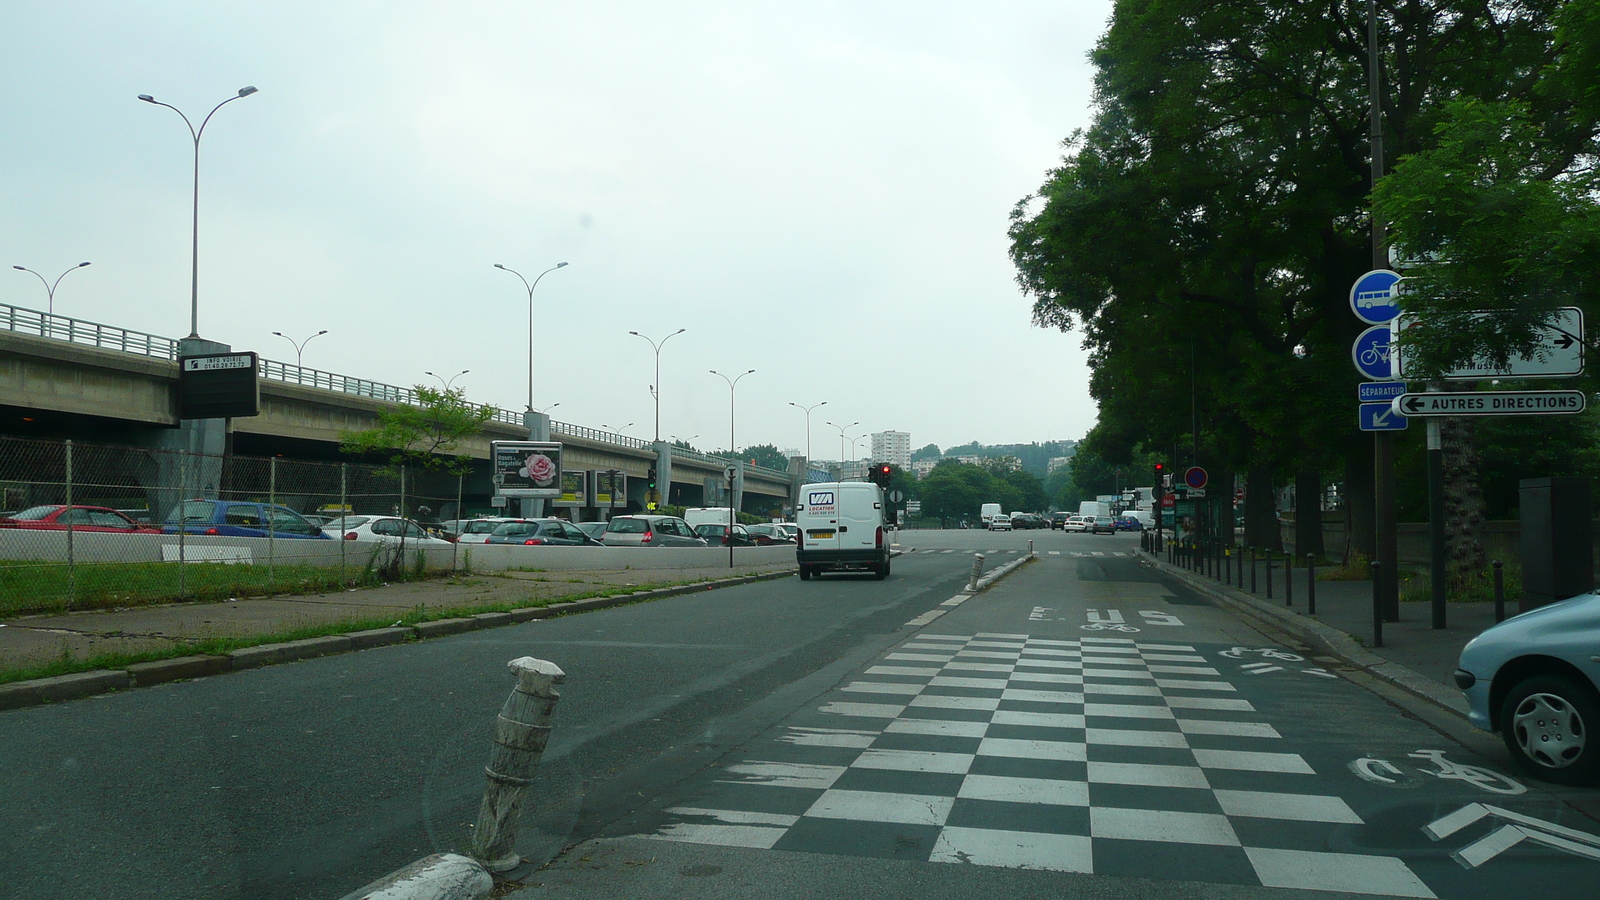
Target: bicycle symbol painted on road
1266 653
1377 771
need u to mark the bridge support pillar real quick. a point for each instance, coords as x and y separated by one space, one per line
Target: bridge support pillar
538 425
205 441
663 451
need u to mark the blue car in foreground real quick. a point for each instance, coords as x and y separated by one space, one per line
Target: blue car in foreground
239 518
1535 679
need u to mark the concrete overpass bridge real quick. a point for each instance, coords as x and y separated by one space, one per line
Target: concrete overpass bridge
69 378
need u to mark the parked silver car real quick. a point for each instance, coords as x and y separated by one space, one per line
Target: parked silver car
1535 678
651 531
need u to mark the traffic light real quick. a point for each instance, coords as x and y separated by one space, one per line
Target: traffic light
650 478
1161 474
880 475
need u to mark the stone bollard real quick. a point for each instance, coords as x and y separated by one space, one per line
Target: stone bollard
1030 547
520 734
977 572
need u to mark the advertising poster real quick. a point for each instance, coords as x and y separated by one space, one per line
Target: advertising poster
610 489
574 489
530 469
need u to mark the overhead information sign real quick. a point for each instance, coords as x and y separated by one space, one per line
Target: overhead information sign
1559 353
218 386
1491 403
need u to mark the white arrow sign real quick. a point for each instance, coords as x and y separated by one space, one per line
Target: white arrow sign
1518 828
1559 353
1491 403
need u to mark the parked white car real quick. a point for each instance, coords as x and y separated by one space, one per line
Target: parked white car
477 531
384 530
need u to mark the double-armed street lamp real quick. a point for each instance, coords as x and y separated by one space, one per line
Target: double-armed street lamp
194 256
842 429
451 383
300 346
733 449
49 287
619 429
655 388
530 288
807 410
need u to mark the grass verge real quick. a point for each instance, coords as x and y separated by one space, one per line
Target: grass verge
69 663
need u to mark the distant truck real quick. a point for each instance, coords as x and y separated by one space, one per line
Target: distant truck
988 511
1092 508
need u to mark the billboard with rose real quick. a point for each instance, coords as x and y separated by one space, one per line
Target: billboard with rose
527 469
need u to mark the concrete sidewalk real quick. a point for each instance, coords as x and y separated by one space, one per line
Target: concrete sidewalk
1414 655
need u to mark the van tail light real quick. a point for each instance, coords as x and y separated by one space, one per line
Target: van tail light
800 539
349 535
648 537
880 537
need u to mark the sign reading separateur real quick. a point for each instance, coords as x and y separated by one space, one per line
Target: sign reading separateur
1491 403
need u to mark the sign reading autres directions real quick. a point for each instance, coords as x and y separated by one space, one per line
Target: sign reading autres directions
1491 403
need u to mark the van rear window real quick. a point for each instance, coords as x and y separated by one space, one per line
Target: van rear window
628 526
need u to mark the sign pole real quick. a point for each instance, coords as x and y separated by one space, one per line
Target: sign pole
1388 550
1436 518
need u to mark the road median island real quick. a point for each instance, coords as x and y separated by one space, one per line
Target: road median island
48 659
1320 635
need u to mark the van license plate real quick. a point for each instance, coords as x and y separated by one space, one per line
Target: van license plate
820 535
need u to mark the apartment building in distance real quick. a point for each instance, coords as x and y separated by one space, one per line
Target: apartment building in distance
892 447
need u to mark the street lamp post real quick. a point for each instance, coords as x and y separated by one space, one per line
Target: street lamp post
451 382
300 346
50 288
617 428
841 436
530 288
808 410
732 454
194 253
655 389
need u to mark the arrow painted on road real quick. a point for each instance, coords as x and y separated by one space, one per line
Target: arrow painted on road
1517 829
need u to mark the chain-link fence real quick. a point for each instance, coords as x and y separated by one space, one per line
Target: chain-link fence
94 526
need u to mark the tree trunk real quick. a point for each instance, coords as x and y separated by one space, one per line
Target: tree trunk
1221 484
1463 497
1360 511
1308 514
1261 510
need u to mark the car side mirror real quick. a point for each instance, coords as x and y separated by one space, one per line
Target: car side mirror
316 531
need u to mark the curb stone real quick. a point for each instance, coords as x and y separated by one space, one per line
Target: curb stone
1324 637
38 691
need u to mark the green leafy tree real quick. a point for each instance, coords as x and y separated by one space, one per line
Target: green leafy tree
954 491
931 451
427 434
765 455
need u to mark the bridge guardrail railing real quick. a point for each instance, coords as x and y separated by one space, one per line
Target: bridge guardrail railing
81 331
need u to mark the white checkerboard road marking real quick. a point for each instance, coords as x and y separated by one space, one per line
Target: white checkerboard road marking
1003 722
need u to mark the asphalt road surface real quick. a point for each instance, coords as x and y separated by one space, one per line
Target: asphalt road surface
1084 728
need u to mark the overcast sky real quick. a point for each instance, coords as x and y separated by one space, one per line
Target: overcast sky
816 191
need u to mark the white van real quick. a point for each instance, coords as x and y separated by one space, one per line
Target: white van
841 529
987 512
706 515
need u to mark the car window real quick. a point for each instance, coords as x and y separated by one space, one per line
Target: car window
413 530
74 517
35 513
573 532
626 525
482 526
288 521
240 514
108 519
191 511
386 527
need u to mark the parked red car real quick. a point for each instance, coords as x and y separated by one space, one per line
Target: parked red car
81 518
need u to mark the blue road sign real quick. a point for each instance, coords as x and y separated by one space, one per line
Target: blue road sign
1371 353
1380 417
1379 390
1373 298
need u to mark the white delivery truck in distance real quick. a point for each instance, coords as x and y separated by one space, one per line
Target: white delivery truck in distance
987 512
1092 508
841 529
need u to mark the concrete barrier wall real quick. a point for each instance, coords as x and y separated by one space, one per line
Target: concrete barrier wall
99 547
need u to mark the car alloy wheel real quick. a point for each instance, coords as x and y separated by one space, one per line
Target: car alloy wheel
1545 722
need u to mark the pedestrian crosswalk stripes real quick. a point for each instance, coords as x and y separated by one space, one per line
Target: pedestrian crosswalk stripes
1073 755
